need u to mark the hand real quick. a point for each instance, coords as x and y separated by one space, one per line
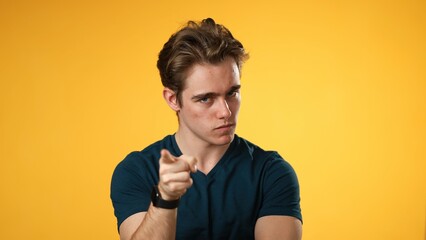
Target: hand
175 176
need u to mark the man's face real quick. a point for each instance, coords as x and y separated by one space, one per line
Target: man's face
210 103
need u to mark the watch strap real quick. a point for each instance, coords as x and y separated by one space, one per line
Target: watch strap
159 202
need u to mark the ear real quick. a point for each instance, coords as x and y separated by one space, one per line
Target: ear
171 99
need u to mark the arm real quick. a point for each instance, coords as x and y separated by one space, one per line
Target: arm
280 215
278 227
159 223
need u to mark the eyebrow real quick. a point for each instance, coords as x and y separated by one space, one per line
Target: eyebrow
234 88
212 94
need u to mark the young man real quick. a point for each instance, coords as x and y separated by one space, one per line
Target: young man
205 182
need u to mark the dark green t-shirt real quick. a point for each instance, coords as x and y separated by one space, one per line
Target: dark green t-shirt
246 184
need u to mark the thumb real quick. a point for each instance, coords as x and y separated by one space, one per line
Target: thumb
192 163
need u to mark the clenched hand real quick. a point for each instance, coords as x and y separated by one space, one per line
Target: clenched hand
175 176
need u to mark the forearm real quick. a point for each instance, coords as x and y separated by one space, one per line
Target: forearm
158 223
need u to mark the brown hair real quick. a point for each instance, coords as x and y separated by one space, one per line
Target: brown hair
202 42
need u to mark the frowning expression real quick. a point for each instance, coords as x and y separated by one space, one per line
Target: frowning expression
210 102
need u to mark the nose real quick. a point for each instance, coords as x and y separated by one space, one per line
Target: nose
224 112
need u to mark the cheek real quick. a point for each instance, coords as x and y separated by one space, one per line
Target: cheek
196 112
235 106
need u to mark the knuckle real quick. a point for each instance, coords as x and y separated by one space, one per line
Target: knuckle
173 187
163 169
165 179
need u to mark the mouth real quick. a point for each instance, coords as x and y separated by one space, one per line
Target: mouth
225 126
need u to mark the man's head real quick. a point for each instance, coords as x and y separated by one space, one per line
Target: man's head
196 43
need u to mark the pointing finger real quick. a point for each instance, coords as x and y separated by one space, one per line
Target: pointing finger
166 156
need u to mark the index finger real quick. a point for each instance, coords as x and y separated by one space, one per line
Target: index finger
166 156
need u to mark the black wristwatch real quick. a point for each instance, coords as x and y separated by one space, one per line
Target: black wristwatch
157 201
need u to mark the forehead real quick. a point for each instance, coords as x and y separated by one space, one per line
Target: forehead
208 77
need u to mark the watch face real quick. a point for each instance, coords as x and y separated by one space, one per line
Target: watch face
154 195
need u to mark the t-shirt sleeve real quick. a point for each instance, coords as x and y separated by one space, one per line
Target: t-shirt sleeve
281 194
130 191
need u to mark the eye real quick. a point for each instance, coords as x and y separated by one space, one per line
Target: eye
233 93
204 100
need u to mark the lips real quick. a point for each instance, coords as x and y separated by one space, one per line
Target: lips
229 125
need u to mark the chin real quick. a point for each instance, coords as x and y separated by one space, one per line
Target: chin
226 139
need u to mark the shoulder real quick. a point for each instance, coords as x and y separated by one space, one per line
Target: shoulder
278 181
270 162
257 153
133 178
142 163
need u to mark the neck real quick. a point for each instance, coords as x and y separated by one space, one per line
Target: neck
207 154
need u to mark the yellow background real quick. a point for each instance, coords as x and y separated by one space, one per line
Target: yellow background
337 87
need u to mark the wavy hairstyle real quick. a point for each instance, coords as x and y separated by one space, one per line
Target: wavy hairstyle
196 43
